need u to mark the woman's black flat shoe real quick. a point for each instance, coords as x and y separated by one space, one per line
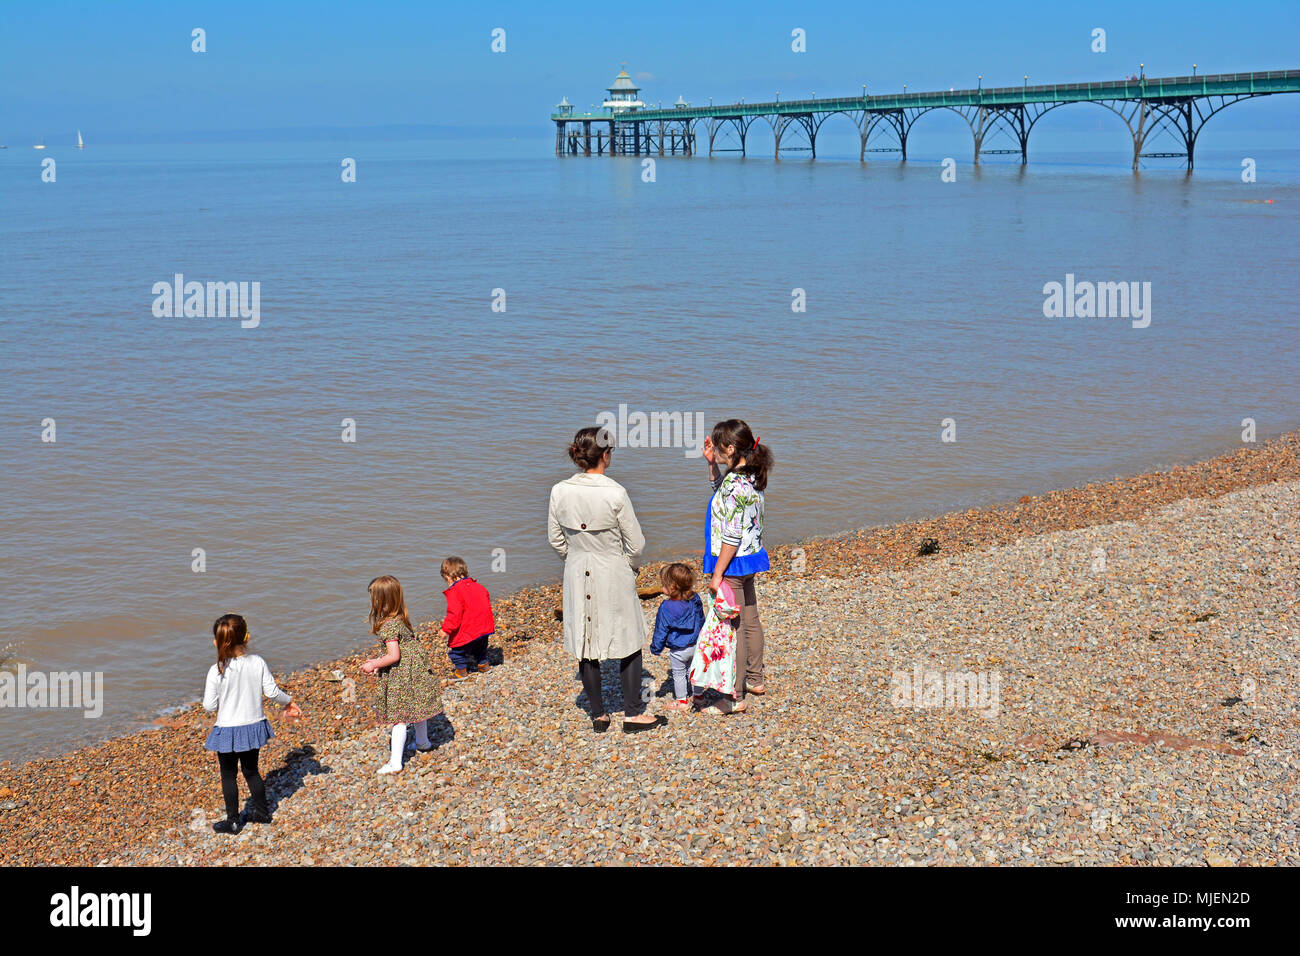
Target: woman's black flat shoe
227 826
636 727
600 725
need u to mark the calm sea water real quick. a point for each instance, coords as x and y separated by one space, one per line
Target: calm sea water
924 302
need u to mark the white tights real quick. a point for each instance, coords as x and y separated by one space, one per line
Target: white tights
421 728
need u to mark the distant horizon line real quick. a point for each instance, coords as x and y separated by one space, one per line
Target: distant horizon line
269 133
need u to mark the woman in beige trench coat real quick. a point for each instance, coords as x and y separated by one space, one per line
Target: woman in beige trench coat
592 526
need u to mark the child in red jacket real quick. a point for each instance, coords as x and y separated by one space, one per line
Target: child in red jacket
469 619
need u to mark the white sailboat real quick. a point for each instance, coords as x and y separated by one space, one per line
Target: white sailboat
80 142
40 145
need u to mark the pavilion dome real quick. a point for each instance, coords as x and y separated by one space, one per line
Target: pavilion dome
623 83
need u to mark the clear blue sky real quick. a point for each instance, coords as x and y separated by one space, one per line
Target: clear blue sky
116 68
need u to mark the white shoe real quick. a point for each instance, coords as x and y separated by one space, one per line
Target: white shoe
390 768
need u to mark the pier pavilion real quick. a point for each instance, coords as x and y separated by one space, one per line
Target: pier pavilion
618 130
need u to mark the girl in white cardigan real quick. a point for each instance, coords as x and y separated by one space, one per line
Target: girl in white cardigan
235 687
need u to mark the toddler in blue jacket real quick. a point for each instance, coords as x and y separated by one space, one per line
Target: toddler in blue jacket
677 627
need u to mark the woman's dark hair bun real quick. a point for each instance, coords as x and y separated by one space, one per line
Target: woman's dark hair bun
589 447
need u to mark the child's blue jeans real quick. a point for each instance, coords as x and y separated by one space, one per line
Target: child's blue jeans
469 656
681 664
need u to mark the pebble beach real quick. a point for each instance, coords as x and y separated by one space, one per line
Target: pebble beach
1115 678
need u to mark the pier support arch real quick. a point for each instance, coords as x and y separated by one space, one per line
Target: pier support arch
797 131
724 124
1181 118
882 128
983 122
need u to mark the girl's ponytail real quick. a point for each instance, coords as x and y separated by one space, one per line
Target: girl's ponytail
231 632
758 456
757 462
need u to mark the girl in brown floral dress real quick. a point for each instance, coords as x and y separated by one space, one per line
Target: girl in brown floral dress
408 691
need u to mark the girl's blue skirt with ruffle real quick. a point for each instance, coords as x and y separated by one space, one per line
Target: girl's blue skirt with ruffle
226 740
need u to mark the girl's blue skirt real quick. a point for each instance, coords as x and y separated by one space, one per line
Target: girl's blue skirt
227 740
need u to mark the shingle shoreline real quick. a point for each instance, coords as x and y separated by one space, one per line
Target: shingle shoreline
1111 741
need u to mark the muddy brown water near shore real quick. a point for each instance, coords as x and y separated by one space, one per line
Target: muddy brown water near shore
91 803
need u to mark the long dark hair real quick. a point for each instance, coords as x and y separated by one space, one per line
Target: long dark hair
758 456
231 632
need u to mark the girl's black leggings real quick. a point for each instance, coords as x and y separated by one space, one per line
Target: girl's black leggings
629 673
247 759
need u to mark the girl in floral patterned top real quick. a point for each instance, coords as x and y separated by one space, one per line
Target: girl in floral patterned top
733 543
408 691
